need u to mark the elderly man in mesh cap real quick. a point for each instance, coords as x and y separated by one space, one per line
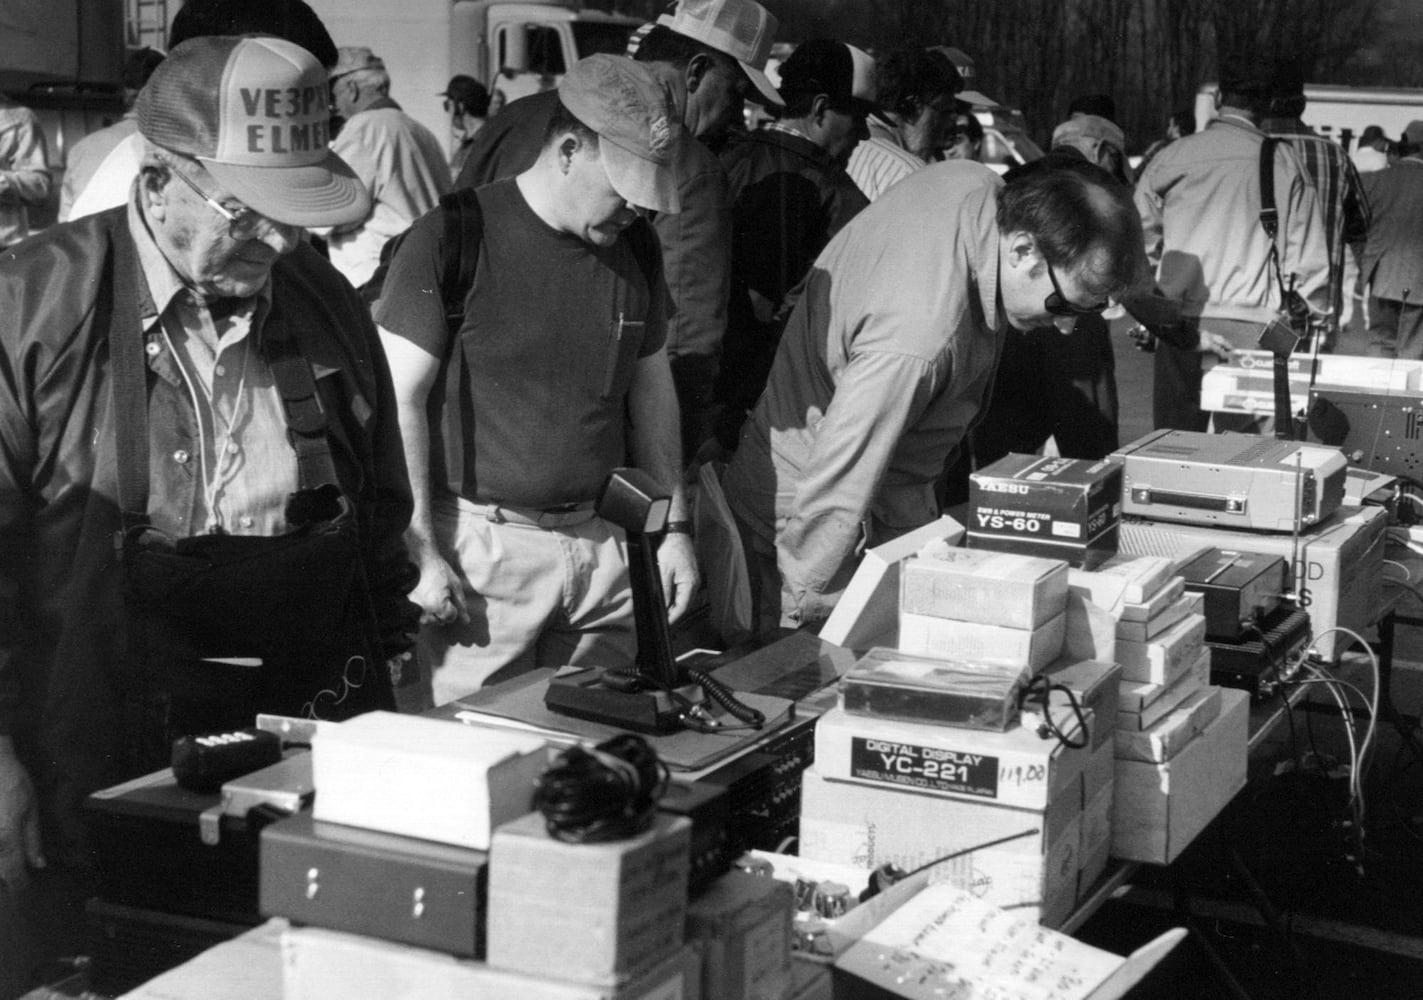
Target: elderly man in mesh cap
202 485
554 374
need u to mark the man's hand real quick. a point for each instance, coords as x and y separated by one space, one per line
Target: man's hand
19 820
1214 343
678 565
440 593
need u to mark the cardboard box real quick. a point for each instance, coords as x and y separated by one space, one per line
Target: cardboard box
742 925
1096 685
1045 498
1016 767
1168 656
1086 554
1166 738
1100 772
988 644
854 824
426 778
1340 563
1143 611
597 913
320 964
810 981
1158 809
1096 850
867 614
1149 703
1123 579
1153 627
992 588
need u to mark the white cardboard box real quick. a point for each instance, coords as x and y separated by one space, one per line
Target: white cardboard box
600 912
867 614
971 642
1134 611
991 588
865 826
742 924
1016 767
1339 561
1168 736
1187 604
1163 659
1149 703
1096 686
1159 808
319 964
422 777
1122 579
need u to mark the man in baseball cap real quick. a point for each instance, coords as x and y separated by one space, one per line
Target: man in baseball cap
790 193
557 373
252 111
189 360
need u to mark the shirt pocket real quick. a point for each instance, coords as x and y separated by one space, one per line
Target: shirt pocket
620 356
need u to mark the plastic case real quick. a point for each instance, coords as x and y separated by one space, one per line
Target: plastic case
893 685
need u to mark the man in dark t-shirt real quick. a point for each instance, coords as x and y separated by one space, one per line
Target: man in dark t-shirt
558 374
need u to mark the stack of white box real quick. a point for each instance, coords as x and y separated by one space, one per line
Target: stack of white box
908 792
994 608
1172 727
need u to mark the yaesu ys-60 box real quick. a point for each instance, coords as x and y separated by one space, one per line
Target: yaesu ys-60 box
1068 500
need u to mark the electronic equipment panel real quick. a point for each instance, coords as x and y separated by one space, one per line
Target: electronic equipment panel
1231 480
1377 431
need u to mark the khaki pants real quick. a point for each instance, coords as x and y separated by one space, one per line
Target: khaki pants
537 597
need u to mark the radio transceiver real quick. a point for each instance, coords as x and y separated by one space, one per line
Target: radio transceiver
1231 480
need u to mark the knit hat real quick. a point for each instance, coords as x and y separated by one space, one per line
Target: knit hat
633 115
741 29
253 111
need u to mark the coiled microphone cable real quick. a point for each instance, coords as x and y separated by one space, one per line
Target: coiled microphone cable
607 792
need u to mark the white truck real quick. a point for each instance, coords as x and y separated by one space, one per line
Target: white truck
514 48
1339 112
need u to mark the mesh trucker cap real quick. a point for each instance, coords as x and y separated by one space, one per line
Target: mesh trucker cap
962 62
632 113
741 29
253 111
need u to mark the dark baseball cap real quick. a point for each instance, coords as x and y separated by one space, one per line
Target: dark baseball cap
843 73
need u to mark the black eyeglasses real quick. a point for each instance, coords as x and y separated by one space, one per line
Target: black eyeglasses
1058 305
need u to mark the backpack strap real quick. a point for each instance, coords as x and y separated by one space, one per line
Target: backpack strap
463 231
1269 215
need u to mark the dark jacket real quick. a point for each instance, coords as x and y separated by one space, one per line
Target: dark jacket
62 624
788 197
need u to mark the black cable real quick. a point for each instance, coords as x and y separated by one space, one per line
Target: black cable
1039 690
726 698
607 793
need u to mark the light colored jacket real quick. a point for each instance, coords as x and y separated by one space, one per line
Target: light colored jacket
1199 200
